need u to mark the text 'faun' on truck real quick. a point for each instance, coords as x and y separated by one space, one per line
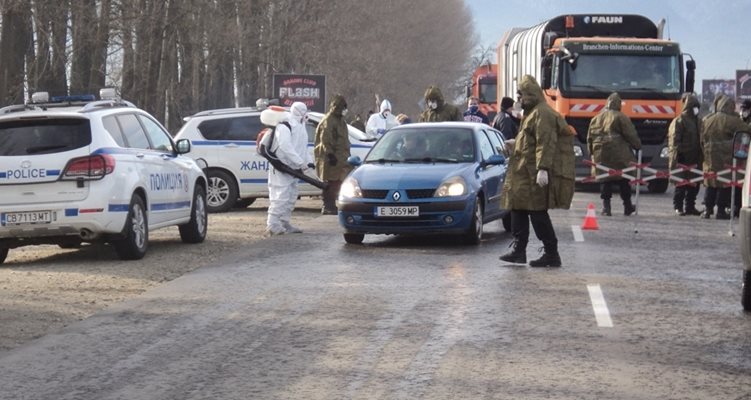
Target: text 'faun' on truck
581 59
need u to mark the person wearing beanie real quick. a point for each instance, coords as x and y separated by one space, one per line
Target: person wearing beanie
504 121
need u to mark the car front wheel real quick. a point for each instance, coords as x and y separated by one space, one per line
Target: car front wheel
474 233
222 192
746 291
195 230
136 233
354 238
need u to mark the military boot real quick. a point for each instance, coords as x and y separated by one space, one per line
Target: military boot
691 210
517 254
606 207
707 214
628 208
550 257
722 214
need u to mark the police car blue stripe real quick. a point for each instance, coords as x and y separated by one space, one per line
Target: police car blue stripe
3 175
254 180
53 172
117 208
170 206
71 212
223 142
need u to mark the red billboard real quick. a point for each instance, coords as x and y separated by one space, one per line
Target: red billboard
308 89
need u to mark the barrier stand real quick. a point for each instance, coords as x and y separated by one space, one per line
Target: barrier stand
638 189
733 184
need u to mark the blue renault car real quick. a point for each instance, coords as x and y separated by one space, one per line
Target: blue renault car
426 178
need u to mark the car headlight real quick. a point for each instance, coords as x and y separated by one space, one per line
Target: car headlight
350 188
451 187
578 151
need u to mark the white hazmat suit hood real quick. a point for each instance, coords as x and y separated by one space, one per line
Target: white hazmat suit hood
379 123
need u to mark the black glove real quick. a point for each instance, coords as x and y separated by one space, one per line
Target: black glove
332 159
311 165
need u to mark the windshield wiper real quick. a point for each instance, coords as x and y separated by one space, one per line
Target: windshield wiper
39 149
430 160
382 161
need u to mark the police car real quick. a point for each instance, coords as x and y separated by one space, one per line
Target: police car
226 140
73 170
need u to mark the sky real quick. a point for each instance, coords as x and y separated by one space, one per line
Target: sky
717 33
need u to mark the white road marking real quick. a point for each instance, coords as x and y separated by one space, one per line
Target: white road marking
599 306
578 235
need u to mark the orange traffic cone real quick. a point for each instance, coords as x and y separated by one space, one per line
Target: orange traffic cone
590 221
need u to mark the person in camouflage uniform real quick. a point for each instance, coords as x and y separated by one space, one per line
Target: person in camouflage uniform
331 152
610 138
684 147
540 176
717 134
437 110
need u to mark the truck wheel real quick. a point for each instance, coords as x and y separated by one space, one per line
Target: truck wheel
658 185
222 191
136 232
3 254
474 233
354 238
746 291
195 230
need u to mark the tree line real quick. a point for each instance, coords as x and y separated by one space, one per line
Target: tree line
177 57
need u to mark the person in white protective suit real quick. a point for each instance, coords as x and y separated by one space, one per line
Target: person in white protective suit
291 147
379 123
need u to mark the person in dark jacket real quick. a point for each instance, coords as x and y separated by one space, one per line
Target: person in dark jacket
610 138
473 113
746 111
684 147
505 121
540 176
437 109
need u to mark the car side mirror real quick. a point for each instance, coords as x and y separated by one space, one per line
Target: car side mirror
182 146
495 159
354 161
741 142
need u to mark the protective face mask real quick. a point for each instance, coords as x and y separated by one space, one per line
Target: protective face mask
744 114
345 112
696 110
386 114
433 105
473 108
518 106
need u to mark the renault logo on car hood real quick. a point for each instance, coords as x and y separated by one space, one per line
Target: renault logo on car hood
396 196
26 164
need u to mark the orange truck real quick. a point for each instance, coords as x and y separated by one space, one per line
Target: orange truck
483 86
581 59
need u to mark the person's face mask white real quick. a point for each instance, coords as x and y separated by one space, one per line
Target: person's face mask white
345 112
696 110
386 114
433 105
744 113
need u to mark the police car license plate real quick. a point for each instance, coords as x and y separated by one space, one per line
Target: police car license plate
27 218
398 211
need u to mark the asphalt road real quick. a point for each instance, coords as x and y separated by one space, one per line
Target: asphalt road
646 307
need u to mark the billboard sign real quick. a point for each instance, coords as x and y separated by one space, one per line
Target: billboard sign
308 89
712 87
743 84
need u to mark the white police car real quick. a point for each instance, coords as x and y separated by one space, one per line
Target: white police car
226 140
75 170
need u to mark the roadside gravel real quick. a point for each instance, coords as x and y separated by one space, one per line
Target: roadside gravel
45 288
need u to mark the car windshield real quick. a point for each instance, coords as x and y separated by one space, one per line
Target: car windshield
623 73
424 145
43 136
